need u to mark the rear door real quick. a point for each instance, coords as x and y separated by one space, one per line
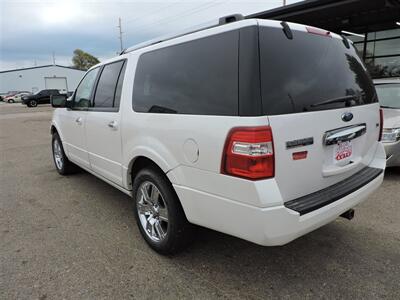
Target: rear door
103 131
321 105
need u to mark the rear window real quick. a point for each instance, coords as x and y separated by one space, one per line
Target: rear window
298 74
389 95
196 77
107 86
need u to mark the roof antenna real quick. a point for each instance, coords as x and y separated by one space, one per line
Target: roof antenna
287 30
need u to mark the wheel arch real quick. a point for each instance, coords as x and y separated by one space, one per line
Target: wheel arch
54 128
145 160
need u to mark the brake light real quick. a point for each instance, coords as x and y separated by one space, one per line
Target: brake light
380 124
249 153
318 31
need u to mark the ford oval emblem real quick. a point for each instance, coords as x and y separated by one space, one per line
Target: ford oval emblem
348 116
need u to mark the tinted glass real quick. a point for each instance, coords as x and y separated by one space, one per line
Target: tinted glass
381 48
384 66
117 98
84 90
104 96
197 77
53 92
298 74
389 95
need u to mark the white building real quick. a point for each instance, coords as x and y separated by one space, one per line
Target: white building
39 78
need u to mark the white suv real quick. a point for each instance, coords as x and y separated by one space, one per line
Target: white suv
260 129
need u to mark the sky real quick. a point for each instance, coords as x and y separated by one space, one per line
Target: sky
32 30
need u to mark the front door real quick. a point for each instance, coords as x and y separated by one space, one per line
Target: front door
103 133
74 121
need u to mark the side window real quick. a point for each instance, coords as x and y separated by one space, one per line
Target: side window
196 77
85 88
107 86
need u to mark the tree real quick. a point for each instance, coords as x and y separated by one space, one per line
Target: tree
83 60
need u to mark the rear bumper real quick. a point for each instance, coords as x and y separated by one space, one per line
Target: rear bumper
271 226
392 154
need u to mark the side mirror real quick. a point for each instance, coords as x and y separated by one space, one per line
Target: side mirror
58 100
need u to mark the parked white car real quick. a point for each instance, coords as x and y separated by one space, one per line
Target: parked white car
17 97
389 97
258 129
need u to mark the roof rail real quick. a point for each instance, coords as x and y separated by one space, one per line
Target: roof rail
221 21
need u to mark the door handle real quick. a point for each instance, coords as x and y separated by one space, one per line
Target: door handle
112 124
344 134
78 120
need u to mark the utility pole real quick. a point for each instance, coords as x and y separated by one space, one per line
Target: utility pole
120 33
284 2
54 58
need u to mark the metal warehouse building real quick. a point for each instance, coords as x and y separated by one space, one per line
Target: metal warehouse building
38 78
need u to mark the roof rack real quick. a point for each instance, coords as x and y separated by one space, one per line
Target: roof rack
220 21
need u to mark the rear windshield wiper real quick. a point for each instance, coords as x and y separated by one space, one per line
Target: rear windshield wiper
346 99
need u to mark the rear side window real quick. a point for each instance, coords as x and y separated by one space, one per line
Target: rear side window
196 77
107 86
298 74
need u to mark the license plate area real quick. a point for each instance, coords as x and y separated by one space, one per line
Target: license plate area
343 152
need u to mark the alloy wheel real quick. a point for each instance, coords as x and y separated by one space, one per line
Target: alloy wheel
152 210
58 157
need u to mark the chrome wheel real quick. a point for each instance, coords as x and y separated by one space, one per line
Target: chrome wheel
152 211
58 157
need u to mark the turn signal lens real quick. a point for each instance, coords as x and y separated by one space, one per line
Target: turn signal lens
249 153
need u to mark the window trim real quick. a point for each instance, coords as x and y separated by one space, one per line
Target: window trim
106 109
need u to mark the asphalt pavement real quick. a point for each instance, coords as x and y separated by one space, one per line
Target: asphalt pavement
75 237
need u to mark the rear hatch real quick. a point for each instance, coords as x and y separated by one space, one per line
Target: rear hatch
321 105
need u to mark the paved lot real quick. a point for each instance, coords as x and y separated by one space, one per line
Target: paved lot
75 238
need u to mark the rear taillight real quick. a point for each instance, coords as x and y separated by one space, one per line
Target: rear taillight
380 124
249 153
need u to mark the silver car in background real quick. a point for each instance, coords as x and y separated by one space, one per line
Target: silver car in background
388 91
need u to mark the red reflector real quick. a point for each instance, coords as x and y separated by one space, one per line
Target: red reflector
249 153
318 31
299 155
380 124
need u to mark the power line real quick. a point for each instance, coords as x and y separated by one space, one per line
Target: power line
174 18
153 13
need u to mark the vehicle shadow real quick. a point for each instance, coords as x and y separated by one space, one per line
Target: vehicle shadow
392 174
344 259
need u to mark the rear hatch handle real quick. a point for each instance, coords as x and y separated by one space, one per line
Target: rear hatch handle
344 134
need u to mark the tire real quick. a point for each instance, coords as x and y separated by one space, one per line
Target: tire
32 103
61 162
11 101
178 232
